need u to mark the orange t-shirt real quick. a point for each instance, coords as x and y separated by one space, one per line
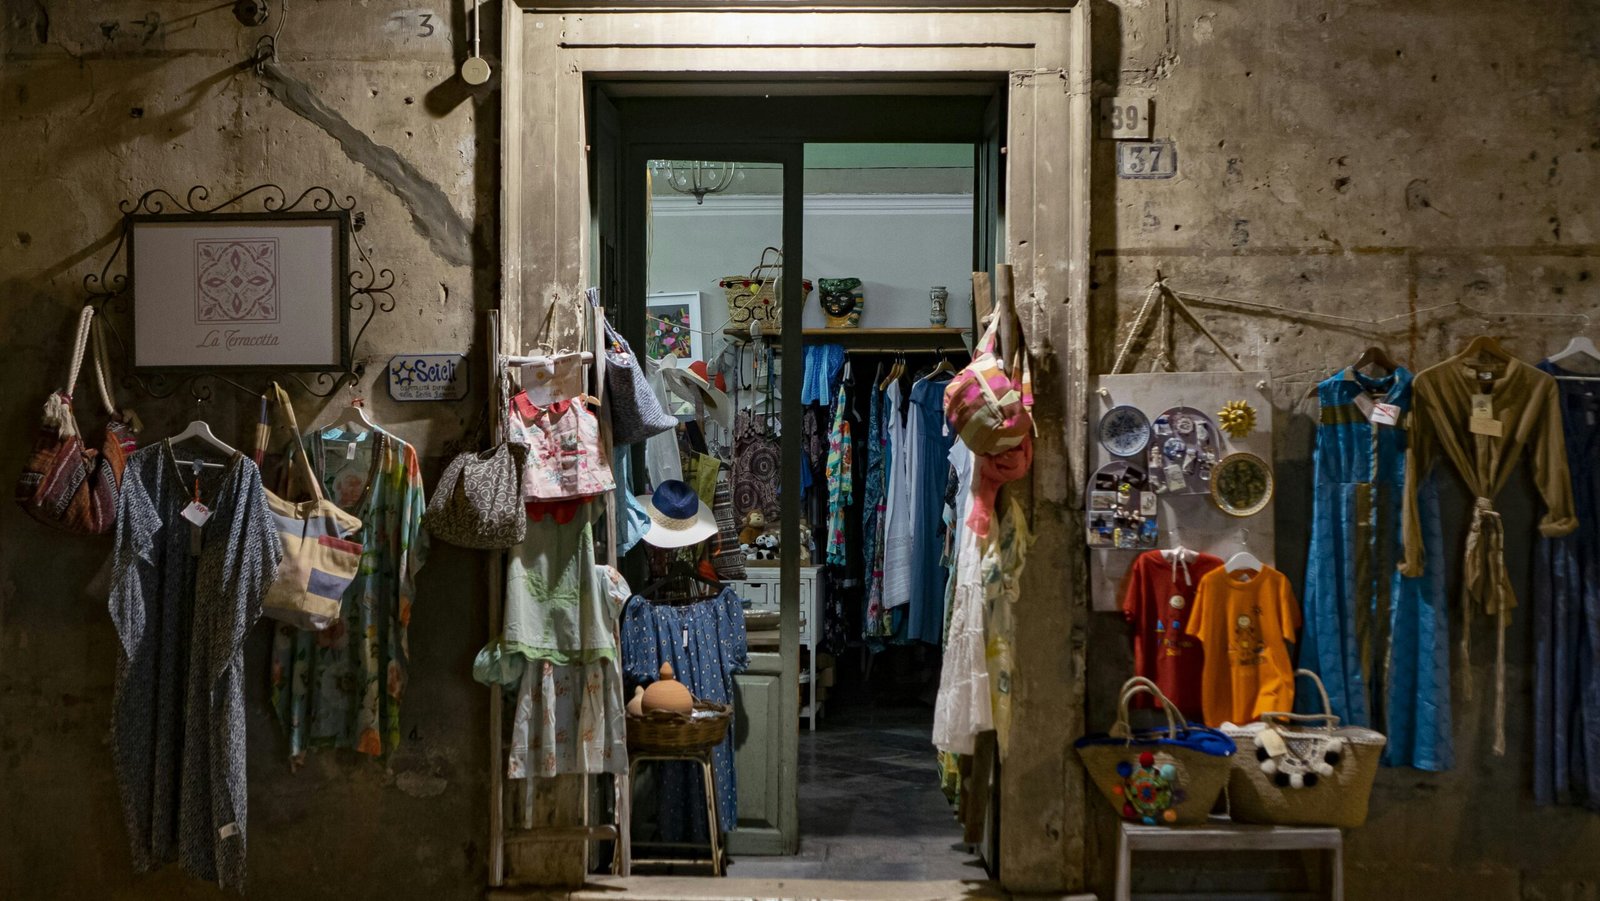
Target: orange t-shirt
1245 621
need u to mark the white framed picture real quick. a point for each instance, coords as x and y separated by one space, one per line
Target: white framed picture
673 328
259 291
671 335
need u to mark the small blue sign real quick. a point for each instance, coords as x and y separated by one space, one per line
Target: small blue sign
419 377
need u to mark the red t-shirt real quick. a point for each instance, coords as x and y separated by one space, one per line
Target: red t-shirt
1157 606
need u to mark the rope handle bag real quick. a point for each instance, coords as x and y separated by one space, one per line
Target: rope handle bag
1162 777
66 484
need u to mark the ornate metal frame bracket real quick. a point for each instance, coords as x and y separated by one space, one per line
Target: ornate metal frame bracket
370 288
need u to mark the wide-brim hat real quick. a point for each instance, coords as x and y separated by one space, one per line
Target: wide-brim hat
717 405
678 518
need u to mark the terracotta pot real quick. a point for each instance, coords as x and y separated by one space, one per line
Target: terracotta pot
667 693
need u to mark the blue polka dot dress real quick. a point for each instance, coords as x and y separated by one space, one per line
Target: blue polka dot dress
705 643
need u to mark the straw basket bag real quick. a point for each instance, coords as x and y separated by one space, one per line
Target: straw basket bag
1161 777
756 297
1303 769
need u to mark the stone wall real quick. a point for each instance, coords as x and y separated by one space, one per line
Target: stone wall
1355 163
1361 160
100 102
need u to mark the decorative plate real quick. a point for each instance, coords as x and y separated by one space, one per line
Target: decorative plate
1124 431
1241 485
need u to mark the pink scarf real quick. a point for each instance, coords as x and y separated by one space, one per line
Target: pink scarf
995 470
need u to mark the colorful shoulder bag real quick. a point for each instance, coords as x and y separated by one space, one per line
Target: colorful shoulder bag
65 483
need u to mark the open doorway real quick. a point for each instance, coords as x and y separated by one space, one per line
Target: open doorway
844 582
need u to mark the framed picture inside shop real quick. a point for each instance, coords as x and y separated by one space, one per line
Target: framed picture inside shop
240 290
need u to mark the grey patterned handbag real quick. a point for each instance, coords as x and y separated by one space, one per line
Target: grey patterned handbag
635 412
478 502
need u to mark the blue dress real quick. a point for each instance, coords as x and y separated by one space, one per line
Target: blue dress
1378 640
705 643
925 622
1566 621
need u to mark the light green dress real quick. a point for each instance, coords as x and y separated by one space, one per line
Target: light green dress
341 687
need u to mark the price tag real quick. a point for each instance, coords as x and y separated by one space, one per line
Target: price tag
1385 414
350 451
196 513
1483 421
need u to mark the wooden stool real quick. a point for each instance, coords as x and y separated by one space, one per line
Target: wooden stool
1223 834
703 758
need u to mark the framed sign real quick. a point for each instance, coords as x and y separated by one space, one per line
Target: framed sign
240 290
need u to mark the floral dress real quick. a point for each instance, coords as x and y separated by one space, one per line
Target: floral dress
341 687
840 481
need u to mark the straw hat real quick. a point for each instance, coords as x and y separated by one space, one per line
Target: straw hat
677 517
687 381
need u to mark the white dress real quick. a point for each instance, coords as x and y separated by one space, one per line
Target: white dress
897 541
661 459
963 707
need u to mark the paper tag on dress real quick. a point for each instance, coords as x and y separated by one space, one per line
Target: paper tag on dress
1489 428
350 451
1385 414
228 831
196 513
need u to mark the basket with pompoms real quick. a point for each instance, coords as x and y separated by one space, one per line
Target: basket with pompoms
665 717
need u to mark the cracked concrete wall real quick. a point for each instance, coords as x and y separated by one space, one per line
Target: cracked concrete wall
100 102
1377 172
1337 159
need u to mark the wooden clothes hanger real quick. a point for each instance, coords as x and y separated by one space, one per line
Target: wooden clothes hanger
1375 355
1485 345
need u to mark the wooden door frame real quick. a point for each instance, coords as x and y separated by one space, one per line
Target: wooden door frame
552 50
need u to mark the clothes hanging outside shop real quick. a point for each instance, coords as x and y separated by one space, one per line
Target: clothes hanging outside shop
1481 414
1157 601
183 598
1379 640
342 687
1566 618
706 645
1246 621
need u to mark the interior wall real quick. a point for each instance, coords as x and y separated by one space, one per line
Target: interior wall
1364 161
899 245
100 102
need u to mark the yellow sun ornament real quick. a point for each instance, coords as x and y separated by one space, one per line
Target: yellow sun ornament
1237 418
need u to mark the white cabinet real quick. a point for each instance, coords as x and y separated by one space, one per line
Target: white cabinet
763 588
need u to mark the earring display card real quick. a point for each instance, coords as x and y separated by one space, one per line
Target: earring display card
1185 444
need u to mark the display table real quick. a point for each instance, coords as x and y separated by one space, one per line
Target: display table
1223 834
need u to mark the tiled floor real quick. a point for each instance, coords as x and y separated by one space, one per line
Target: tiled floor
870 804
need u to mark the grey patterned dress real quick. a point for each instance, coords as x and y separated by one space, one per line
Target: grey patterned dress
178 727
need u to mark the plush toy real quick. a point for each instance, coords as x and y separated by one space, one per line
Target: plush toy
755 524
767 547
805 543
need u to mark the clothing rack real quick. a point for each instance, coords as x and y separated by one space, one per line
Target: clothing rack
908 351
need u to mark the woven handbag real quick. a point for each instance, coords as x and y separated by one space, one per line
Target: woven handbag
1160 777
65 483
320 559
1295 769
478 503
755 297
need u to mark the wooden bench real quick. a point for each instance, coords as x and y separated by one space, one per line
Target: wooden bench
1222 834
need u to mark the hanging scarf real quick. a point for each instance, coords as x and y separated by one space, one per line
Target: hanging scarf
995 470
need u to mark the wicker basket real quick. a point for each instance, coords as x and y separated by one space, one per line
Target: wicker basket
663 730
1303 769
755 297
1169 777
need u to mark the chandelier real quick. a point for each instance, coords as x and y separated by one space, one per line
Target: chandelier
697 177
